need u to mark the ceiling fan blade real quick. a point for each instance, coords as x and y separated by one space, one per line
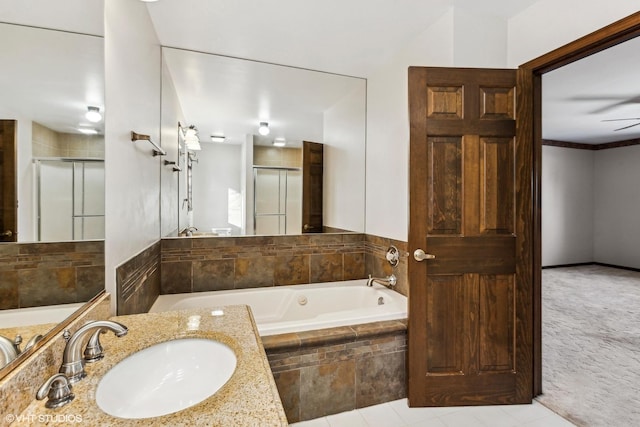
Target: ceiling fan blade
618 120
627 127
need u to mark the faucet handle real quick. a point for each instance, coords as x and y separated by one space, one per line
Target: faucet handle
57 389
94 351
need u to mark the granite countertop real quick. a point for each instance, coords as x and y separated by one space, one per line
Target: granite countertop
249 398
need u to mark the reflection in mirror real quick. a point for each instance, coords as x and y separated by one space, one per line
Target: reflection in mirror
52 181
241 181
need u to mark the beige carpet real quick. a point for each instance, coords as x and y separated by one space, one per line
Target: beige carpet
591 345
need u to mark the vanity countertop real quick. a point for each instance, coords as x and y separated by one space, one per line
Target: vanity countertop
249 398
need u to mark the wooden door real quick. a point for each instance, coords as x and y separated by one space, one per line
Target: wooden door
470 315
312 176
8 201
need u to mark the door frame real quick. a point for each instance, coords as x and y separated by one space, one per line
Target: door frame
529 131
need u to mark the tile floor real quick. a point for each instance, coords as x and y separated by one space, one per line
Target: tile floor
398 414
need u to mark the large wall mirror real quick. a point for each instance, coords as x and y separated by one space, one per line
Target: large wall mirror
52 177
307 174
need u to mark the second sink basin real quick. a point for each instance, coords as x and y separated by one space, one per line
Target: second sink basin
165 378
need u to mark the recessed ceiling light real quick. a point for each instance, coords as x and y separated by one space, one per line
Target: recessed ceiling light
279 142
88 131
93 114
217 138
264 128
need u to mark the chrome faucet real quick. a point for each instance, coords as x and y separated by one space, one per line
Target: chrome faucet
72 359
189 231
389 281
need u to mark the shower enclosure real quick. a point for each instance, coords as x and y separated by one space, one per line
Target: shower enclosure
277 200
70 199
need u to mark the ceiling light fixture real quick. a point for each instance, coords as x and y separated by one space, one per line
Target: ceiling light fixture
264 128
93 114
88 131
279 142
217 138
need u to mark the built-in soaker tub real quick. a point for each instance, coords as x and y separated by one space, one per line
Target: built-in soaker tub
296 308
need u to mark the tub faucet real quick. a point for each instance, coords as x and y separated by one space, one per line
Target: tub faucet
189 231
389 281
72 360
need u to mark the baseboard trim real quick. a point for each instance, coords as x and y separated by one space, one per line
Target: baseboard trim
582 264
579 264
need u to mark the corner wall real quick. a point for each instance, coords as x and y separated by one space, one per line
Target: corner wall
617 206
132 175
567 206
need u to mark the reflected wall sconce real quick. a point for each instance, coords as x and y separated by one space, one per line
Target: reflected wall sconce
93 114
279 142
217 138
264 128
190 137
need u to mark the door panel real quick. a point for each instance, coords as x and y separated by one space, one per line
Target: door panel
8 198
312 181
469 340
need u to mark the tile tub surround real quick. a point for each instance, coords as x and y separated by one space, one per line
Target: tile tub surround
138 281
222 263
333 370
37 274
250 397
19 387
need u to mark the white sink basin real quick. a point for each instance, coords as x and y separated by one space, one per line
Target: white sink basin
165 378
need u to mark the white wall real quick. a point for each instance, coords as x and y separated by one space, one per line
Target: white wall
567 206
132 175
458 39
27 221
170 181
344 162
217 172
617 206
549 24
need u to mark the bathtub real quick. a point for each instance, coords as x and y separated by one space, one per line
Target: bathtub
37 315
296 308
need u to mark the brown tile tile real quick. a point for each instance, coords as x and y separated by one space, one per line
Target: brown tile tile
354 266
326 336
214 242
175 277
291 270
401 272
176 243
353 238
325 239
89 281
325 268
254 240
288 383
327 389
9 249
366 330
47 248
254 272
9 290
46 286
380 378
213 275
279 342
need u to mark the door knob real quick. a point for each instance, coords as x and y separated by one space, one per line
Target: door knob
420 255
7 233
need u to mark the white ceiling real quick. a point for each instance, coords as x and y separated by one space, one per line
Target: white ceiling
228 96
351 38
51 77
579 96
